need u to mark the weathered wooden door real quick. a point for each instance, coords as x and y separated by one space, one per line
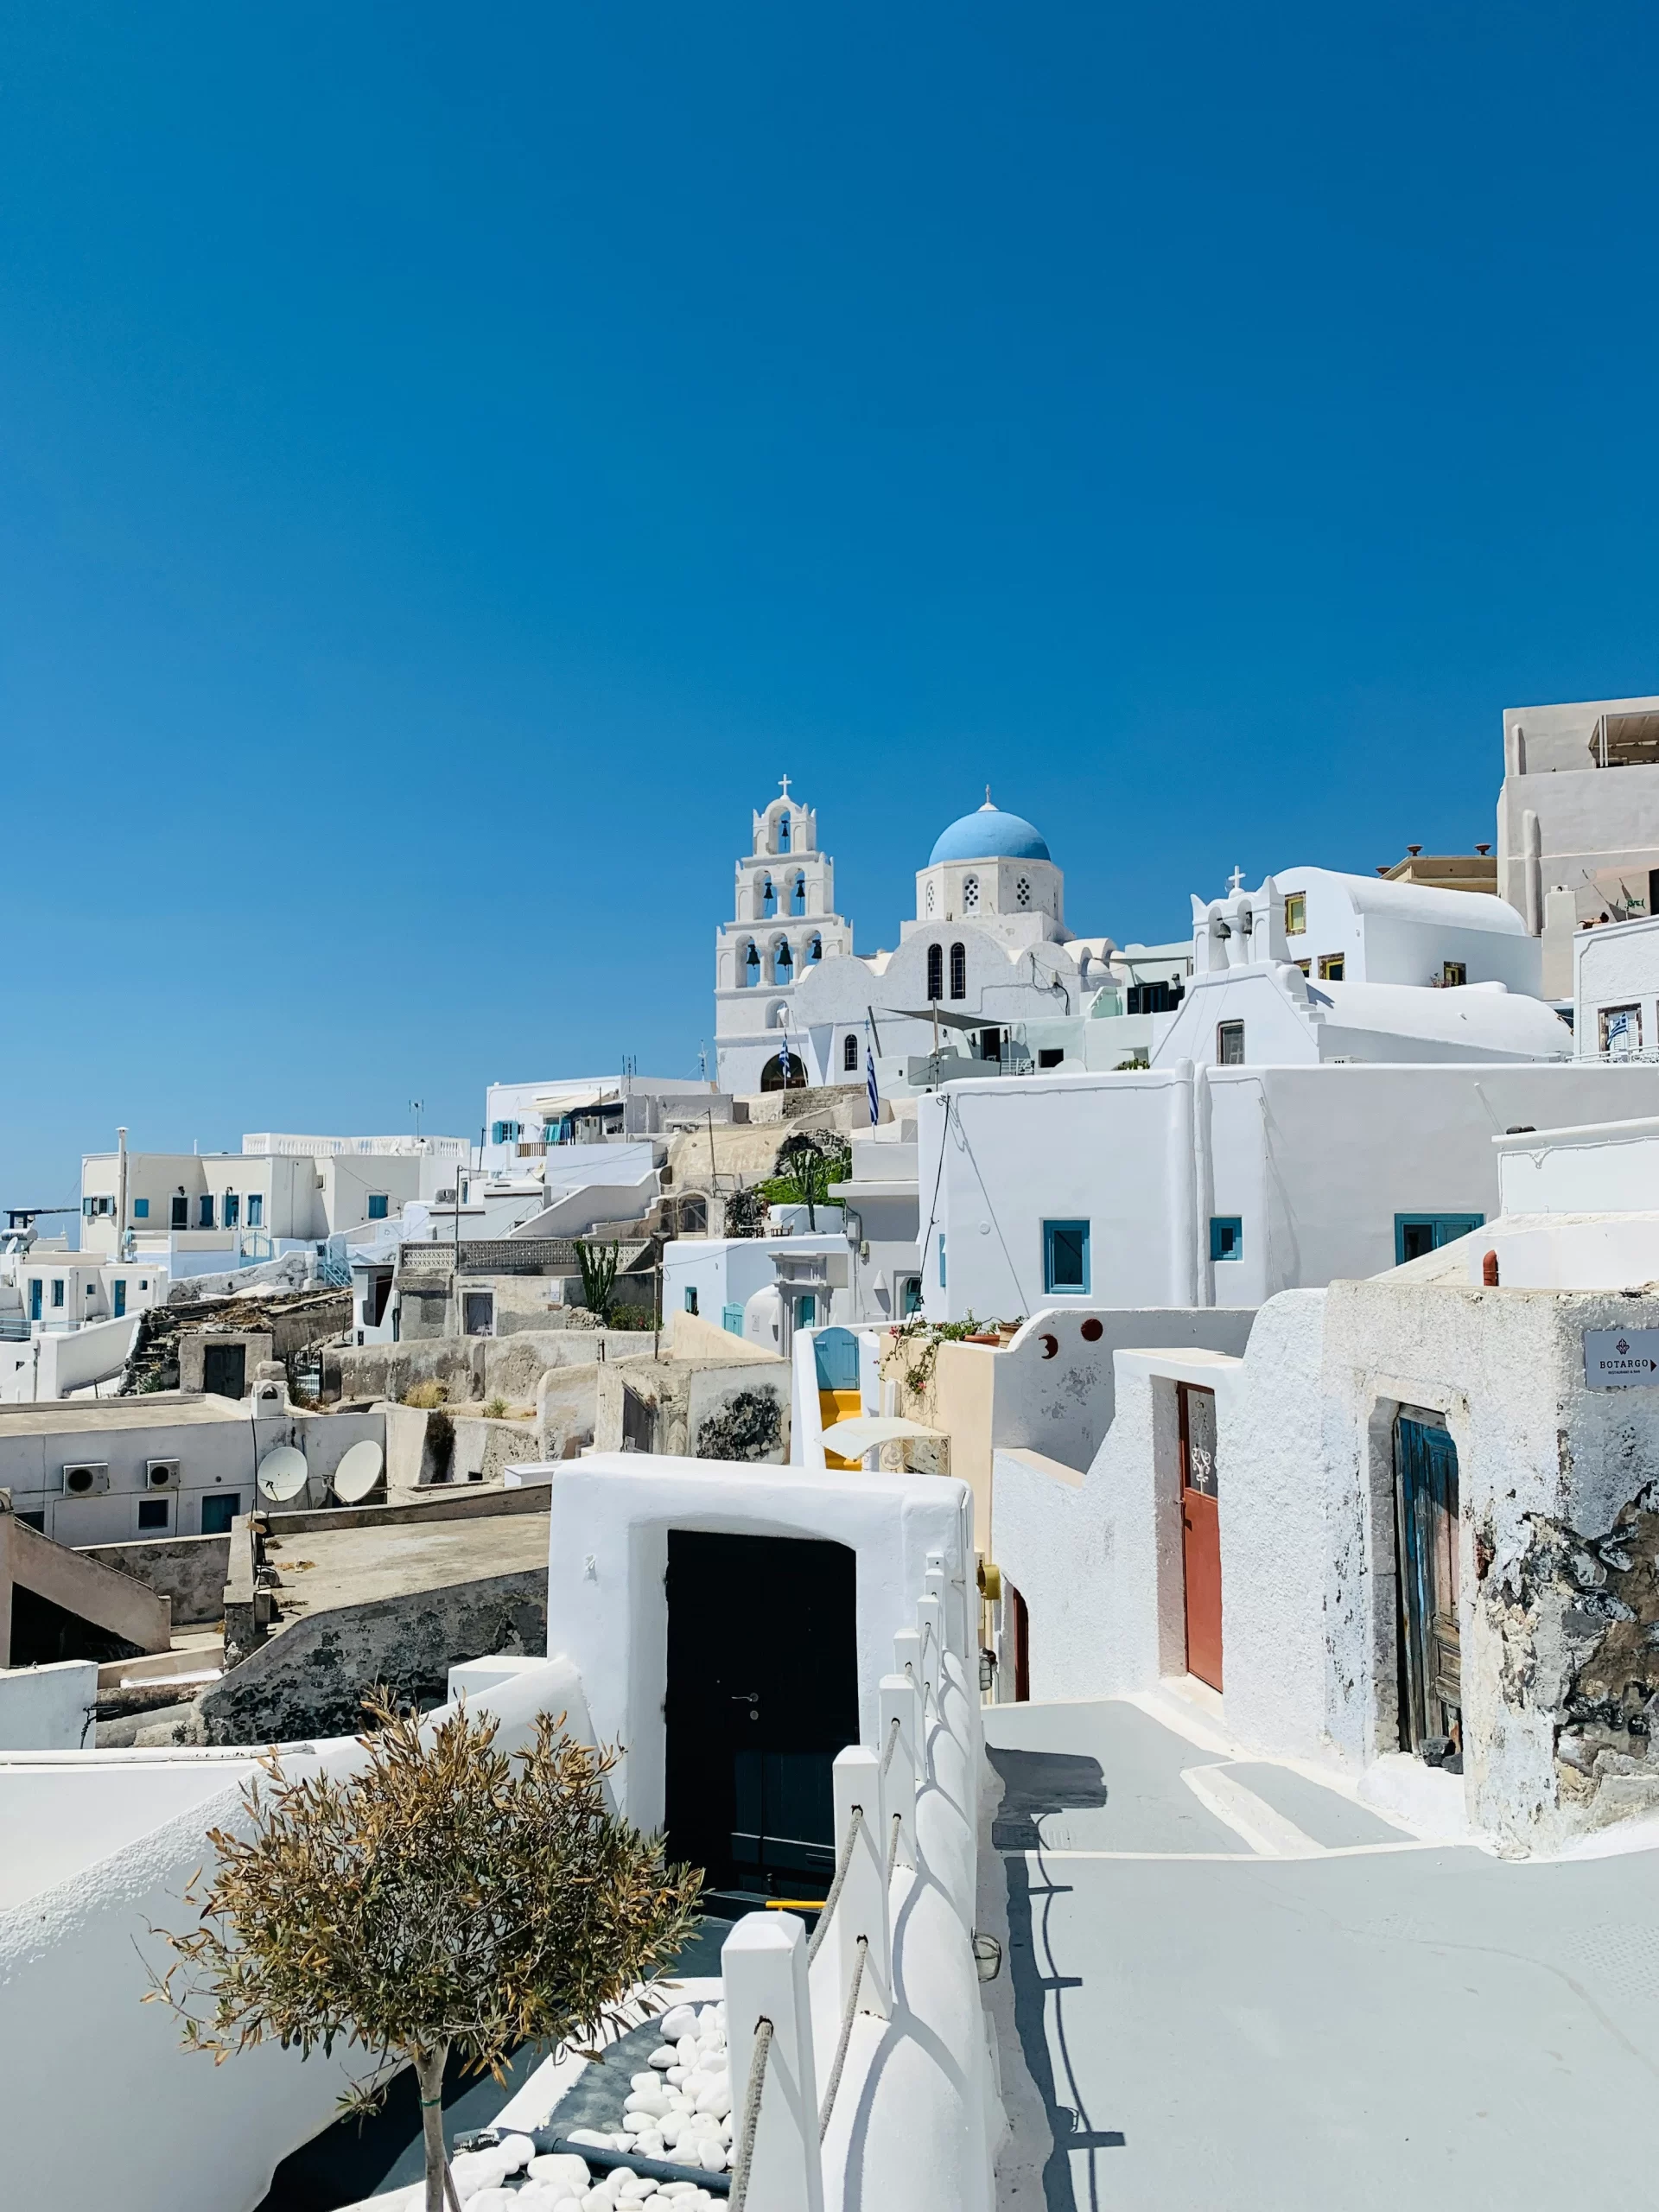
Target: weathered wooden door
225 1369
762 1693
1200 1532
1425 1514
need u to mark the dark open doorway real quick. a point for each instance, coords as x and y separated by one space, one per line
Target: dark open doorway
225 1369
762 1693
1426 1525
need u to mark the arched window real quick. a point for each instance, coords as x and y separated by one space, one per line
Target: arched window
969 893
798 896
786 1071
768 898
783 963
935 971
782 833
959 971
849 1052
749 969
815 951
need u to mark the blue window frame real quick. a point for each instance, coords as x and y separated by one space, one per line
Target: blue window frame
141 1209
941 1259
690 1297
34 1297
731 1319
379 1203
205 1211
1415 1234
57 1290
256 1209
806 1310
118 1289
1066 1256
233 1210
1226 1237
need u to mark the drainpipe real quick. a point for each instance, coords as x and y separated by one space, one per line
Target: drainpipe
1532 883
120 1194
1178 1193
1204 1186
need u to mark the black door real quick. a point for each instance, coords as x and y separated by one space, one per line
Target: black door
762 1693
225 1369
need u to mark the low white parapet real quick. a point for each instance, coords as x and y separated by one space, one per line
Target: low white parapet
49 1708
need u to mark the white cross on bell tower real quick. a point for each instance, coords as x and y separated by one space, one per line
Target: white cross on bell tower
1236 880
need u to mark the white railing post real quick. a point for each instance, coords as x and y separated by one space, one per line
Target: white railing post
907 1654
764 1963
861 1909
900 1704
929 1622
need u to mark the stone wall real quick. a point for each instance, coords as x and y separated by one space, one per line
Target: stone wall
310 1679
190 1570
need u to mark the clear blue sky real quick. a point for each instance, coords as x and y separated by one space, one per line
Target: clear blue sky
452 463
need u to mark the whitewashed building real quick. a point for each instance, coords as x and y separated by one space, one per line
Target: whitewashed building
1615 990
784 925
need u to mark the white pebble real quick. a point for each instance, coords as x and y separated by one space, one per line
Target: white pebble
562 2166
662 2055
491 2200
679 2020
518 2150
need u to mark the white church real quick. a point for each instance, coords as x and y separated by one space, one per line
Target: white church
987 953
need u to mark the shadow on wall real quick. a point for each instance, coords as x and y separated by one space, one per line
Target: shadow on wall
1035 1782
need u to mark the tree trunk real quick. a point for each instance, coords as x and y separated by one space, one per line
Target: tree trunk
429 2072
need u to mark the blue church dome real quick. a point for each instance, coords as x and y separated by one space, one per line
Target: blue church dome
989 835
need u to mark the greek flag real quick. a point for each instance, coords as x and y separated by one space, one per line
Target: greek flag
869 1075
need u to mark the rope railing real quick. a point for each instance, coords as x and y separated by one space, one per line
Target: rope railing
893 1843
893 1744
743 2142
848 2012
843 1863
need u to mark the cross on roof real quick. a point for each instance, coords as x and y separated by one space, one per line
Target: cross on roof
784 781
1236 880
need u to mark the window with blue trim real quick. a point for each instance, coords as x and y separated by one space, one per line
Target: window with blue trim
690 1299
141 1209
941 1259
1226 1237
1415 1234
1066 1256
379 1203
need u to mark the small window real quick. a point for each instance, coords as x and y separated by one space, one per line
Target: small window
969 893
941 1259
1050 1056
1295 912
1454 974
205 1211
1306 967
849 1052
959 971
1332 967
256 1209
1066 1256
478 1312
1023 892
233 1210
155 1513
910 1295
57 1290
936 971
118 1293
1416 1234
1621 1031
379 1202
218 1511
1230 1045
1226 1237
141 1209
690 1299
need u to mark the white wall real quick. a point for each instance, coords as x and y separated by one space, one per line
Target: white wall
1615 964
615 1510
1315 1161
159 2129
1609 1166
49 1708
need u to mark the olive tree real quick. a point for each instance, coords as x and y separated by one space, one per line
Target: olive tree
441 1897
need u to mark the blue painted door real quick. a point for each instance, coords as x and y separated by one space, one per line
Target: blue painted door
1426 1507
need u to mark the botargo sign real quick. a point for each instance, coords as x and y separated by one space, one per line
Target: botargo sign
1621 1359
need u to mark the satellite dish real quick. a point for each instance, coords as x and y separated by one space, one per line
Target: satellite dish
282 1474
359 1471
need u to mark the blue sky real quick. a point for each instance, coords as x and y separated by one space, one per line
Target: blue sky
452 463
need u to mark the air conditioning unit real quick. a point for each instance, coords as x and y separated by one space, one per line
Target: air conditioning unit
81 1480
161 1474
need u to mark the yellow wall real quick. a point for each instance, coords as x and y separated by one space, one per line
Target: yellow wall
958 1401
839 1405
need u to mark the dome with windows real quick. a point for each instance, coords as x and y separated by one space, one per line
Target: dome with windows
989 834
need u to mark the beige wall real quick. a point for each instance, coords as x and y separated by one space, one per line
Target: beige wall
957 1398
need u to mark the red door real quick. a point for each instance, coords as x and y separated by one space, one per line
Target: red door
1200 1533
